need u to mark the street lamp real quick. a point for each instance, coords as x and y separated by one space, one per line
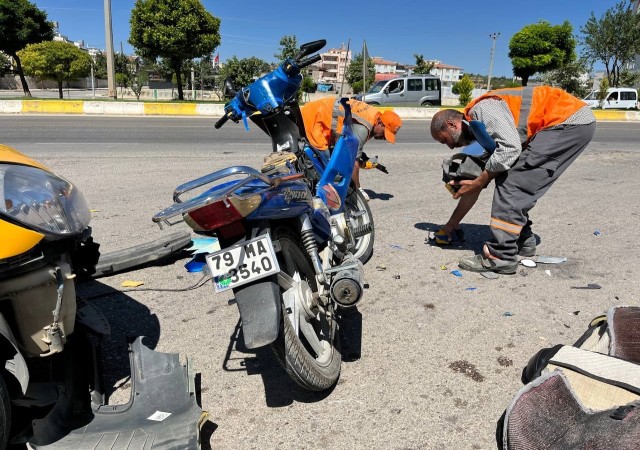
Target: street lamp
493 36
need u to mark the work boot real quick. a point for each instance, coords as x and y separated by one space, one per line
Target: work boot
480 263
527 246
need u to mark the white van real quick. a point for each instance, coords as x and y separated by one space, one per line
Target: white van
620 98
412 90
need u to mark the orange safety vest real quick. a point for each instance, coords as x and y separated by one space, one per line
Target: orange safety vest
533 108
324 116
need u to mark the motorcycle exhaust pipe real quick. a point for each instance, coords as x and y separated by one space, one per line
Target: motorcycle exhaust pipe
347 287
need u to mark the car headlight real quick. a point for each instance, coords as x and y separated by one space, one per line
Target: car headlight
42 200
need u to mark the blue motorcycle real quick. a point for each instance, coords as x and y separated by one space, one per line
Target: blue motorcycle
293 235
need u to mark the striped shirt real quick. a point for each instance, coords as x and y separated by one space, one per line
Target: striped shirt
497 117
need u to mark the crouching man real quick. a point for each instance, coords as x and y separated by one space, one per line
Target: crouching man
539 132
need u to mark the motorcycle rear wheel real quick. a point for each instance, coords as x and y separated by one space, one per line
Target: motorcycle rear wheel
315 370
358 213
5 414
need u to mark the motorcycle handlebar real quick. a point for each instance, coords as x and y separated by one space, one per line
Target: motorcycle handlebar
221 121
309 61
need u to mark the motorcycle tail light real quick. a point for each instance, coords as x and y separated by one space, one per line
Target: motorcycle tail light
225 219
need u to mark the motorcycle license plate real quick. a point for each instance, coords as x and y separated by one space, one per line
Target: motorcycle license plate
243 263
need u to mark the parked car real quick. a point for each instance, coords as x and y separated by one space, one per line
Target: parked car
617 98
413 90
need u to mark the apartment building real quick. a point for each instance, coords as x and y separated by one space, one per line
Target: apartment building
332 67
447 74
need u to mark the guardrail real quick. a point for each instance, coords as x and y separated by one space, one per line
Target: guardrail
112 108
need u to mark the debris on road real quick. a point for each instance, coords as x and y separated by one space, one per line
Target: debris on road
528 263
588 286
550 259
130 283
457 273
597 233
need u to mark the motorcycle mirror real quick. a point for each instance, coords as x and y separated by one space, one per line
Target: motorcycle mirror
310 47
229 89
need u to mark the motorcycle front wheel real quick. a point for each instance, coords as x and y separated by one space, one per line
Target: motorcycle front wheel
311 356
359 215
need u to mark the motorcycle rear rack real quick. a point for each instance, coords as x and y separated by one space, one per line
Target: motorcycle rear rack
183 207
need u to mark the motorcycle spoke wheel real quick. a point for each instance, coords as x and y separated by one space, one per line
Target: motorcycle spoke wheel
311 353
359 215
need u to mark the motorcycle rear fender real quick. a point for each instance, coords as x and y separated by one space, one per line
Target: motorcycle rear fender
14 362
260 310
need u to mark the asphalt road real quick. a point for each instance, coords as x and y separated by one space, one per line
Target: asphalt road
440 356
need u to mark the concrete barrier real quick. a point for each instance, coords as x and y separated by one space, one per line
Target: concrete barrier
208 109
114 108
10 106
53 106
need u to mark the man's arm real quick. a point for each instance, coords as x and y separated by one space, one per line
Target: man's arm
497 118
464 205
474 187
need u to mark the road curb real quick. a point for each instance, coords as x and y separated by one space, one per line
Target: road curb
90 107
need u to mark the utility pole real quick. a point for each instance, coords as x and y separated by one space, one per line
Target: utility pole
493 36
111 67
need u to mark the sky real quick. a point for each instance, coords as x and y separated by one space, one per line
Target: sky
456 33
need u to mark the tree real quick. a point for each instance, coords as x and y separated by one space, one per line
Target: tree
288 48
570 77
55 60
123 72
496 82
602 93
464 88
5 64
613 40
122 80
242 71
308 85
21 24
138 80
175 30
100 70
354 73
206 73
629 78
422 66
541 47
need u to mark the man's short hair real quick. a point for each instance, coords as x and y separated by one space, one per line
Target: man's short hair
440 119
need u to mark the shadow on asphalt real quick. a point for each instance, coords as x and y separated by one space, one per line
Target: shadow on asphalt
128 319
474 236
280 389
378 195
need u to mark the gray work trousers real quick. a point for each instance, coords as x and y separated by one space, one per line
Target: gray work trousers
517 190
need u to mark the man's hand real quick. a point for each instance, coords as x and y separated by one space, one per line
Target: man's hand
474 187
